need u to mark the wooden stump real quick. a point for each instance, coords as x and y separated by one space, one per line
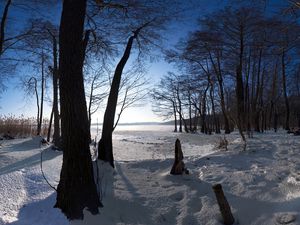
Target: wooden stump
223 205
178 166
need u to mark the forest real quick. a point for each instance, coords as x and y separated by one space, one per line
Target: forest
235 76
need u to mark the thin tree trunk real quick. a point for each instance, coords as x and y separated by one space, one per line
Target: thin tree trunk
222 98
190 110
37 103
217 127
56 132
203 114
286 100
76 189
42 96
240 89
90 105
175 116
50 126
179 110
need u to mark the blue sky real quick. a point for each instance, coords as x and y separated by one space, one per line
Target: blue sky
13 102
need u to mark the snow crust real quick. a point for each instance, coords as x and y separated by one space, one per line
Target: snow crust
262 184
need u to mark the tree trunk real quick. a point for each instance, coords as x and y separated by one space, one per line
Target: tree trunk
286 100
56 132
255 111
105 148
179 110
76 189
203 114
190 110
42 96
215 119
240 88
50 126
37 104
222 98
90 105
175 116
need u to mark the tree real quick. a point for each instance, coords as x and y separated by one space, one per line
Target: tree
105 151
31 86
76 189
164 99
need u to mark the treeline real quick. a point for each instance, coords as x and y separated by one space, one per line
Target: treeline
239 69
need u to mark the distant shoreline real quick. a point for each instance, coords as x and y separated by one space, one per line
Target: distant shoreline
137 123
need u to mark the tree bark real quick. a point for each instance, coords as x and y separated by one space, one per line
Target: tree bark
76 189
105 148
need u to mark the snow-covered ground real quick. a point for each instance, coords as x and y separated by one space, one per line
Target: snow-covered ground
262 184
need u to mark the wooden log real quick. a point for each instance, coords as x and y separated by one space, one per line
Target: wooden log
223 205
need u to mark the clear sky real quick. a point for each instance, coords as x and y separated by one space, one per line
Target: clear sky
13 102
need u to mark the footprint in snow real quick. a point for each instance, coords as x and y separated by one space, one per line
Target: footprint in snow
177 196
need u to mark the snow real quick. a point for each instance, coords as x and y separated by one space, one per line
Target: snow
261 184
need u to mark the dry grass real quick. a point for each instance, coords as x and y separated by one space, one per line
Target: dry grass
21 126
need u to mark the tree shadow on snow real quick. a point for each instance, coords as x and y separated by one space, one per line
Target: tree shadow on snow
41 212
25 145
48 154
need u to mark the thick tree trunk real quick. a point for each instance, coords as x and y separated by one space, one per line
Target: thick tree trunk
105 148
76 189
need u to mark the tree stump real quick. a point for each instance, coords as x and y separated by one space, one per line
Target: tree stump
223 205
178 166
